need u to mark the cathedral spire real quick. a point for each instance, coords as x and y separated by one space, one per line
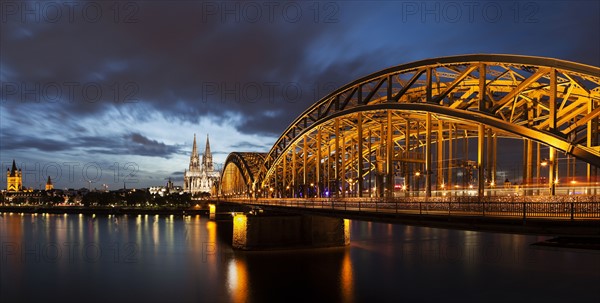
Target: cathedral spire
194 158
194 148
207 159
13 171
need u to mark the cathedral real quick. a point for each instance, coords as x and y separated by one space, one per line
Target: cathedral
201 176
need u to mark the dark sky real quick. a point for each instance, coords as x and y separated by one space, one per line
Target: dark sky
114 91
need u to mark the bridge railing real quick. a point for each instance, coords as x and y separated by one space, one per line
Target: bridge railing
563 207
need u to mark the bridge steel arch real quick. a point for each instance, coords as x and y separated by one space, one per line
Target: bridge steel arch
392 122
238 178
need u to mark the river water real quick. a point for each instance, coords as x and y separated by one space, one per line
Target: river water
89 258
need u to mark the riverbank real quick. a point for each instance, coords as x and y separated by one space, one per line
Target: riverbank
109 210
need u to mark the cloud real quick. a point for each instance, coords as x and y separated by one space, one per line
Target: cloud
11 143
129 144
249 146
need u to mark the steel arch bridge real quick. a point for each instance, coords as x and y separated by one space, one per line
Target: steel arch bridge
240 172
414 121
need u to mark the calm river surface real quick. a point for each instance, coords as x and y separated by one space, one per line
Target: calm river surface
84 258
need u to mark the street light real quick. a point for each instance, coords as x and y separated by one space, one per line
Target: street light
417 178
351 182
553 175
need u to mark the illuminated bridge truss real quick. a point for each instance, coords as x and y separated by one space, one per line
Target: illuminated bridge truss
413 123
240 171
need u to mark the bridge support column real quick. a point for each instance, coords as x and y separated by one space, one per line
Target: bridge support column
256 232
370 158
480 160
450 164
407 171
389 164
428 170
284 183
360 164
591 141
328 179
440 156
467 181
304 167
490 160
528 167
551 171
494 157
337 157
294 172
318 164
380 162
538 161
343 167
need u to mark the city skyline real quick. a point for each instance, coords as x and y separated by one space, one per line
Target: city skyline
136 83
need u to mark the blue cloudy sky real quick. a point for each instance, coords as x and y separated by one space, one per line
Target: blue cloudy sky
113 91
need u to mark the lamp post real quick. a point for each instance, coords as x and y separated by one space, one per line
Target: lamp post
417 181
552 176
352 182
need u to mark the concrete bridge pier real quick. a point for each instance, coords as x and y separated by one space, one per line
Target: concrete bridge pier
212 210
281 231
219 212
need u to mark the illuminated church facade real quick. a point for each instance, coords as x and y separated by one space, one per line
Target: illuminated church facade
14 179
201 175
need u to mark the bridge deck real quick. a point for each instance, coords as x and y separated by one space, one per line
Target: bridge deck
581 218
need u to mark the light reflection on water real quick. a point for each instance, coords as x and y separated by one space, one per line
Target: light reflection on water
83 258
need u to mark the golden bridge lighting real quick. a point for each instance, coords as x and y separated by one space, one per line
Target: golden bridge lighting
409 130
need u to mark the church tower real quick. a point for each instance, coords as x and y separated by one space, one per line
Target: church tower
49 185
194 158
207 161
14 180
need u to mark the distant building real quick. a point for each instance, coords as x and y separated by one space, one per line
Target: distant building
165 190
49 185
201 176
14 179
